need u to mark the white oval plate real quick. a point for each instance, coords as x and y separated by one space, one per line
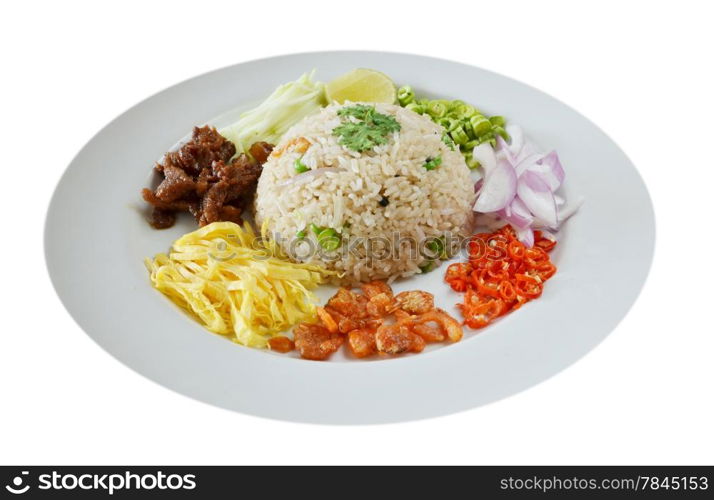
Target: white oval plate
96 239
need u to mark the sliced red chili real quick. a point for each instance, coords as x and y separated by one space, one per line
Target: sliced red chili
546 271
500 275
459 285
545 244
528 286
481 313
516 250
507 290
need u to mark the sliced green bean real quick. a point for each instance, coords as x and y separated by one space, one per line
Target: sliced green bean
464 124
446 139
498 130
300 167
405 95
469 129
497 121
436 109
471 162
459 136
417 108
446 122
480 124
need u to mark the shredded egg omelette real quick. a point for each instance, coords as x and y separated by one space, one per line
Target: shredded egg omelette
235 283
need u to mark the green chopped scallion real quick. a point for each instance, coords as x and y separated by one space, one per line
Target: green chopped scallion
432 163
329 239
300 167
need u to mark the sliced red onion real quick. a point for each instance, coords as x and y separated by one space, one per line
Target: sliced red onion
528 155
517 141
550 170
521 164
548 235
537 196
525 236
478 185
499 189
491 222
503 151
517 214
569 210
538 176
486 156
520 154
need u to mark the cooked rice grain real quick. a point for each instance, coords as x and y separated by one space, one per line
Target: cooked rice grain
422 204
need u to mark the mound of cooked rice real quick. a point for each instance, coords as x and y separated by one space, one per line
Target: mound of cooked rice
384 204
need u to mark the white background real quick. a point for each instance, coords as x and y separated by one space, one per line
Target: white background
641 71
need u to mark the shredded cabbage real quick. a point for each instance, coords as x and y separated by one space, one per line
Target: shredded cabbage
286 106
235 283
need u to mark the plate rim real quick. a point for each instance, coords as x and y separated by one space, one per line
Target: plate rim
74 314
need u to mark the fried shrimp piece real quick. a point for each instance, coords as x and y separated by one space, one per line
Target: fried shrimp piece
430 333
374 288
401 315
362 342
345 324
346 303
327 320
415 302
381 298
375 322
397 339
314 341
380 305
281 344
437 325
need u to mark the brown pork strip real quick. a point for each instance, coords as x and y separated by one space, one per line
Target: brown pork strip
205 147
202 179
176 184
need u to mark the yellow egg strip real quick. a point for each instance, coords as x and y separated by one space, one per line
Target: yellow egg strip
236 284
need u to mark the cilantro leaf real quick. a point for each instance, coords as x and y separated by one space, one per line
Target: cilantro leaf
371 128
359 111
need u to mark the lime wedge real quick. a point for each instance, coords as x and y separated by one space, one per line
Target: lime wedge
361 85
